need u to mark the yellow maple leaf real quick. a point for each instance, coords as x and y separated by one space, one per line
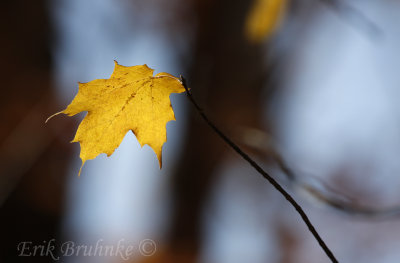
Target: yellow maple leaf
263 19
131 99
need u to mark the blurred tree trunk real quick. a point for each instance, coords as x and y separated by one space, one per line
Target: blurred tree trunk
226 76
32 167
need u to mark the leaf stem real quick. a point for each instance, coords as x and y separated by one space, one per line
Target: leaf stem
271 180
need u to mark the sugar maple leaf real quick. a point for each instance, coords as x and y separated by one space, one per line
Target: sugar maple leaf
131 99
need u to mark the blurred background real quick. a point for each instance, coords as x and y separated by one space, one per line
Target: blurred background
310 89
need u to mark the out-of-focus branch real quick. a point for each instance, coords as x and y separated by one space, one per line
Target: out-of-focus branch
261 142
355 17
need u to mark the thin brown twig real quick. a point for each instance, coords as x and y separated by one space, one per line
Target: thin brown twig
258 168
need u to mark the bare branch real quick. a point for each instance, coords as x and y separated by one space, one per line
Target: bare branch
258 168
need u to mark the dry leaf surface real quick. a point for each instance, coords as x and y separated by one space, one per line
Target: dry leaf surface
131 99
